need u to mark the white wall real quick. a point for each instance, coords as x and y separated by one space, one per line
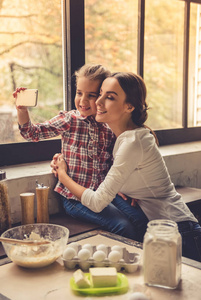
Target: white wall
184 163
22 178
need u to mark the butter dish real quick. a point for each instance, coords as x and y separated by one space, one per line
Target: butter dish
120 288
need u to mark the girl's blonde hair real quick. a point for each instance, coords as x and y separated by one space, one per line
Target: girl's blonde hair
92 72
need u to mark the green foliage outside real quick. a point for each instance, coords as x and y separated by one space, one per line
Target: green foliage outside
111 39
31 55
31 52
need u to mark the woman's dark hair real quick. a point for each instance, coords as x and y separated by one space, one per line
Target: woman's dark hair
135 90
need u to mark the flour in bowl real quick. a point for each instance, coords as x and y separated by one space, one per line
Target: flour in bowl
35 256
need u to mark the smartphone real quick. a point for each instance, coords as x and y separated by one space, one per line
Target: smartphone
27 97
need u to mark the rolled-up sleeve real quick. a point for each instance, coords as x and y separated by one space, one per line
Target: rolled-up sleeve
46 130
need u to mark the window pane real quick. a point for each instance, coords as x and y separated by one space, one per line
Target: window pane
111 33
30 56
163 62
194 91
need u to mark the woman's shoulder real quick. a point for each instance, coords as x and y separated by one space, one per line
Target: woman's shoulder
140 138
135 134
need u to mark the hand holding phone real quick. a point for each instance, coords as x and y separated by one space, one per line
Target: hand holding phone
26 97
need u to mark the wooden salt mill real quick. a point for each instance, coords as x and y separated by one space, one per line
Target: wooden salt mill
42 203
27 208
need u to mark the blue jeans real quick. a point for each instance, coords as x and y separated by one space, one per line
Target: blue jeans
191 239
118 217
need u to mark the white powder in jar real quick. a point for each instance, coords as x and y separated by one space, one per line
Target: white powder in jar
160 263
162 250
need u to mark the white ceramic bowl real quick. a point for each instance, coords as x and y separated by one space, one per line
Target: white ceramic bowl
36 256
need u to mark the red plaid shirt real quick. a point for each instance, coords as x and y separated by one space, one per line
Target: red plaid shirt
86 145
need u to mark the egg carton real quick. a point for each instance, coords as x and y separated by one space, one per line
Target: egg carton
116 256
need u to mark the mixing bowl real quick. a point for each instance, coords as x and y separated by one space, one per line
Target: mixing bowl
36 256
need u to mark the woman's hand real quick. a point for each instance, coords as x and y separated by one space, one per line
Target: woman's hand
53 164
61 166
133 200
68 182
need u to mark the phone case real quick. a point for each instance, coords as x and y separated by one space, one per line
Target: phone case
27 97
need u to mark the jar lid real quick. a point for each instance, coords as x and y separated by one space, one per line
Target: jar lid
2 175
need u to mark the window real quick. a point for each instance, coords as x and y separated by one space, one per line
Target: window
112 43
138 36
133 35
30 56
194 86
163 62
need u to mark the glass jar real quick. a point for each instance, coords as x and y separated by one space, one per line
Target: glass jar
5 219
162 252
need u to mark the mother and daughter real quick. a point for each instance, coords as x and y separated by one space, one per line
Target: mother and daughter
138 169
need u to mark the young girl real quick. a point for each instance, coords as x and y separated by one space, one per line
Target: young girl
138 170
86 147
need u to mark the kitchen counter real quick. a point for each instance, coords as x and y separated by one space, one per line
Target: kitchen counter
52 282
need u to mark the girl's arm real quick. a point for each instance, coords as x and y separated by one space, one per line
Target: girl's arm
63 177
23 115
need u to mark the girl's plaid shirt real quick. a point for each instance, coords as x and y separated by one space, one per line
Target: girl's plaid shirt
86 145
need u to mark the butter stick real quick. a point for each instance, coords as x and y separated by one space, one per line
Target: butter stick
103 277
80 279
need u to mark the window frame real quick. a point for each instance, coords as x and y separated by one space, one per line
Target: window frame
73 58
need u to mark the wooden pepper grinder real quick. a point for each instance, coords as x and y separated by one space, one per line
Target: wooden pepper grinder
5 218
42 203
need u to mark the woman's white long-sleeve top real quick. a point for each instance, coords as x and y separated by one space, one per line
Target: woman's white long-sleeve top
139 172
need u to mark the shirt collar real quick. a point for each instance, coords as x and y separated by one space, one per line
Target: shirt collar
91 120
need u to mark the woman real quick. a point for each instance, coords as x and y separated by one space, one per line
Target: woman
138 170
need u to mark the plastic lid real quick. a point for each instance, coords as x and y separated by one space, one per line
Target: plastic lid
2 175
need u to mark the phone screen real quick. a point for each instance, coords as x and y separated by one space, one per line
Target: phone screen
27 97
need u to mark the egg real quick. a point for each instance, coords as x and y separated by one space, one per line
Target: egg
102 247
114 256
118 248
84 254
88 247
69 253
99 255
138 296
74 245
